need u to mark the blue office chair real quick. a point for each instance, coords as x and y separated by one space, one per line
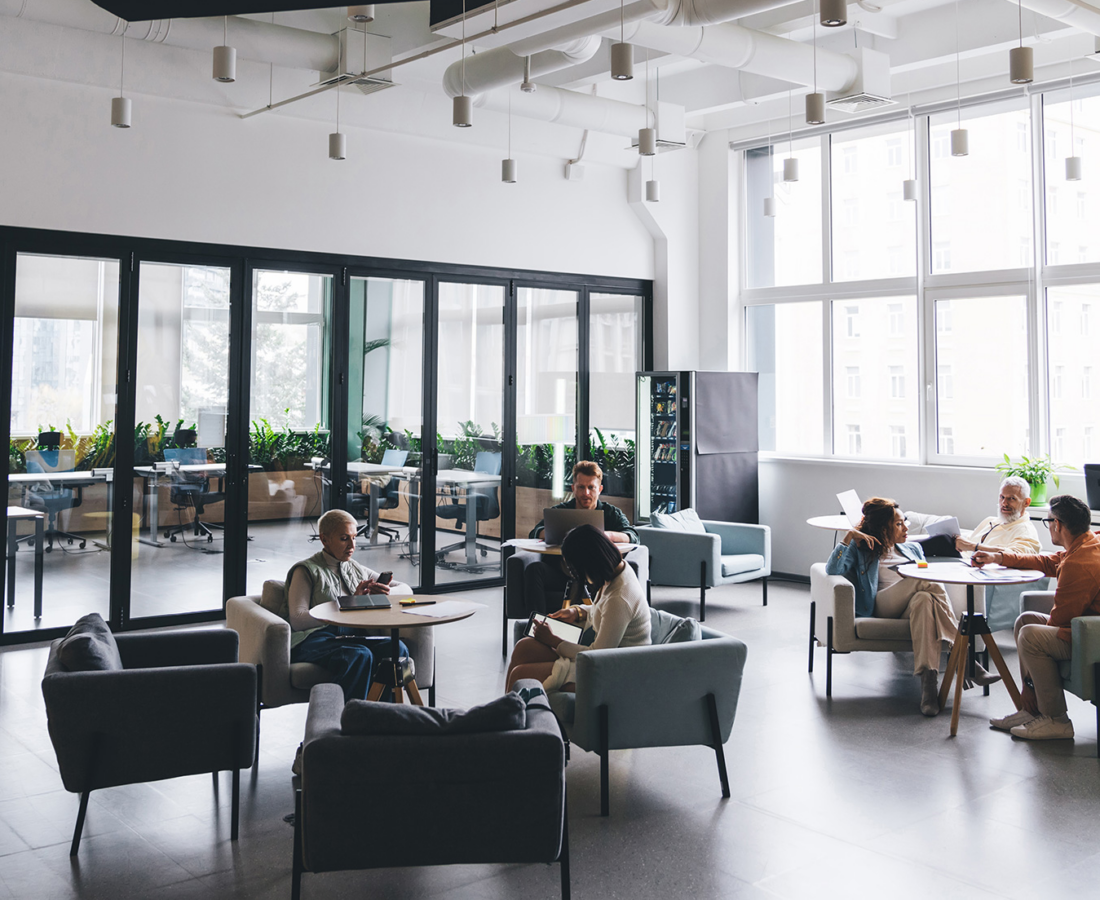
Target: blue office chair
487 506
190 491
48 498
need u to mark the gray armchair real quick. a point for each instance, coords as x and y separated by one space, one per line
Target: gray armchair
671 694
494 797
181 705
1081 672
724 553
265 642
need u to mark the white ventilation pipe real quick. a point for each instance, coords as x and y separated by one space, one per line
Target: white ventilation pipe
259 41
568 108
750 51
492 69
1068 12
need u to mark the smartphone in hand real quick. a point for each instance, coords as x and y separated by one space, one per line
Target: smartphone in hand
385 578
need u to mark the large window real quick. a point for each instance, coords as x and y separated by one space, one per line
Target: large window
1072 129
1075 397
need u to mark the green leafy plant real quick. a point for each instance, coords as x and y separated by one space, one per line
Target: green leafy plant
284 450
1036 472
616 458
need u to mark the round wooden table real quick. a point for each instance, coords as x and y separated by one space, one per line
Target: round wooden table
393 618
972 624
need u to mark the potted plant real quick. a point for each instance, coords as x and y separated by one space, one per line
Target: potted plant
1036 472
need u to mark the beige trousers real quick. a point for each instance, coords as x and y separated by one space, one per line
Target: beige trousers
1040 651
931 618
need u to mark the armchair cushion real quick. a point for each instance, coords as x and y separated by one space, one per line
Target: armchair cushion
364 717
89 647
685 520
273 598
741 562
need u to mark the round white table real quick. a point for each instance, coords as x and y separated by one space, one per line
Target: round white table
393 618
971 625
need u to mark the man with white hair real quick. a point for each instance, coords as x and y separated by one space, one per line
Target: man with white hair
1010 529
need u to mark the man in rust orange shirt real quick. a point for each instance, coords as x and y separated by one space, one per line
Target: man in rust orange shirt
1044 641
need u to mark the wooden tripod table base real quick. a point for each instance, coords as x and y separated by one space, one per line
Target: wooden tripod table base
971 626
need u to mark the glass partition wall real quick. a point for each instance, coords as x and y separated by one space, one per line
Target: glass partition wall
443 409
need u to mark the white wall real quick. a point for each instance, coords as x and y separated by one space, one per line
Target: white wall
793 490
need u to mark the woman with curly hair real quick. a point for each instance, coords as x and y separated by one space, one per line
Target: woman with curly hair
868 557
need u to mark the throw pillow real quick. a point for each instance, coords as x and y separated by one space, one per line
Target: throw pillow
686 520
364 717
273 598
89 646
685 630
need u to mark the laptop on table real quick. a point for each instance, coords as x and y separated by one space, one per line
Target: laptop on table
557 523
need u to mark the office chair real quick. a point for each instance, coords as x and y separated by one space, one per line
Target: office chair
48 498
388 496
487 506
190 490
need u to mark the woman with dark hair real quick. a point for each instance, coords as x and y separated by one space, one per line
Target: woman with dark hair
868 557
618 616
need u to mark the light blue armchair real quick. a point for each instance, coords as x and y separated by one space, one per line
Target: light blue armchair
685 551
1081 672
672 694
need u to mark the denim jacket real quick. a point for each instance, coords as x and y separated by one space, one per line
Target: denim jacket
860 566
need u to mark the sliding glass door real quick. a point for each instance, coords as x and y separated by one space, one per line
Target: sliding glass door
61 452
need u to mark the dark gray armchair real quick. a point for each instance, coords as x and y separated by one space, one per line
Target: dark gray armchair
437 799
181 705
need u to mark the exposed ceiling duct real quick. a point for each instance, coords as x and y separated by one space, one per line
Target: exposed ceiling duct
1068 12
492 69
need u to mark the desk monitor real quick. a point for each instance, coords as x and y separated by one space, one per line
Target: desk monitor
852 506
559 522
1092 484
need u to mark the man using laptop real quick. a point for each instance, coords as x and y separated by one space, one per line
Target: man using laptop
551 575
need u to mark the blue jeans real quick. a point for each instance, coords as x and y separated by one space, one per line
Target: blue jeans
347 654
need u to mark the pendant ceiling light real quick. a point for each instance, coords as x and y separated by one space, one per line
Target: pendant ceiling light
1073 161
653 186
462 114
508 166
622 53
769 201
960 140
120 105
225 57
909 186
337 142
361 14
1021 62
790 164
834 13
527 86
647 137
815 102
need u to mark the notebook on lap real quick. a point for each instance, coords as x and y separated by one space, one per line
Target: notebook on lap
557 523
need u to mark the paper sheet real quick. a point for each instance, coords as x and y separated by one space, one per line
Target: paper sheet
442 609
950 527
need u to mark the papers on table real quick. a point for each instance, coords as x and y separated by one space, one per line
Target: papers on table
442 609
526 544
949 526
994 572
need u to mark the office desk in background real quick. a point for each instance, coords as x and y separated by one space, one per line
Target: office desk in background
16 514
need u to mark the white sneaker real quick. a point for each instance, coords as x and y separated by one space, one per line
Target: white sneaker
1044 728
1022 717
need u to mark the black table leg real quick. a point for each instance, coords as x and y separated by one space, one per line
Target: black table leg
39 558
11 562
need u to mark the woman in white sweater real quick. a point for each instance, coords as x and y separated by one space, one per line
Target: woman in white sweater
618 616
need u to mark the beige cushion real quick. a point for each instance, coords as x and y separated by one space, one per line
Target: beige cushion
305 675
871 629
273 598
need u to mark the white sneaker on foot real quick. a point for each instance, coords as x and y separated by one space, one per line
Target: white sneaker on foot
1044 728
1022 717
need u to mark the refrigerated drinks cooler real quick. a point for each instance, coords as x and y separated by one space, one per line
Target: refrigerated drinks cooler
697 444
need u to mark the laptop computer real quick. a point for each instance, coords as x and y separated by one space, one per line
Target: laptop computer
363 601
852 507
558 523
1092 484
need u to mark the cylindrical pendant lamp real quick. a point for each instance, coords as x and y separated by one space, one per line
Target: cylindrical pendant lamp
508 171
361 13
653 191
1021 65
790 169
909 189
337 145
1073 168
463 112
834 13
225 64
815 109
622 61
647 141
120 112
960 142
769 207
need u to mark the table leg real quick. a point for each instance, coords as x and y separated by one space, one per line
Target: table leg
965 638
39 560
971 646
471 527
12 546
372 512
152 513
395 659
1006 675
950 671
414 519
